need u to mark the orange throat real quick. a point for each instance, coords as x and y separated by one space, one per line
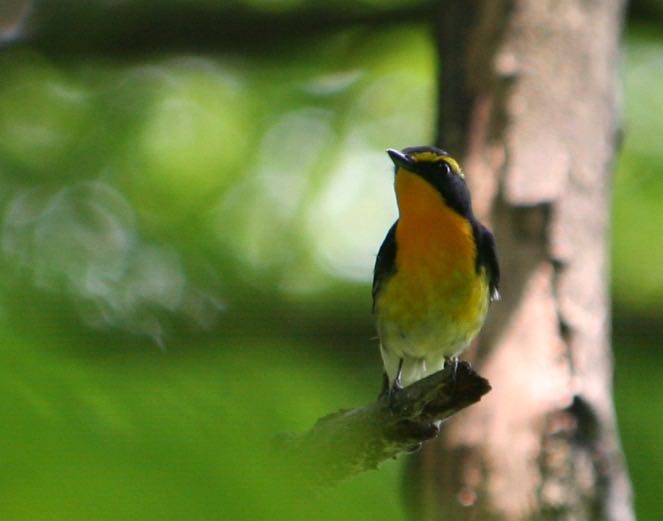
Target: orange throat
430 235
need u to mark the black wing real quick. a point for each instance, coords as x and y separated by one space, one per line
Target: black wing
385 263
487 258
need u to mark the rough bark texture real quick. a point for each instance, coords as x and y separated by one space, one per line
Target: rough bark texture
351 441
529 99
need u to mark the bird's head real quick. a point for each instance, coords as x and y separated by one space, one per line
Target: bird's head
437 168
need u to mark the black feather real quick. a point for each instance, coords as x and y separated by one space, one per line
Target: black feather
385 263
487 257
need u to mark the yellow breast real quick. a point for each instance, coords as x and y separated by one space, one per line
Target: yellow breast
436 300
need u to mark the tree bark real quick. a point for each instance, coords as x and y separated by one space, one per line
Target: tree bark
529 98
351 441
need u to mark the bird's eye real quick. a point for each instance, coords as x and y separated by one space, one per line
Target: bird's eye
444 167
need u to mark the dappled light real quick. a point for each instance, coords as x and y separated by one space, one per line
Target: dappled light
174 234
82 242
187 241
127 165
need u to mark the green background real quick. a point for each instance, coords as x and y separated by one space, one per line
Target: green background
186 247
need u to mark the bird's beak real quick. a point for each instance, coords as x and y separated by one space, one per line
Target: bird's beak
400 159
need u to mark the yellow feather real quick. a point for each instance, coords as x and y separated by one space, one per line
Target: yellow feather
436 301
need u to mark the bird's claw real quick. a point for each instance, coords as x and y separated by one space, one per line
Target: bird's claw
453 361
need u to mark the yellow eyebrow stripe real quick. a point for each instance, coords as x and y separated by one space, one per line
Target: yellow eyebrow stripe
454 164
436 158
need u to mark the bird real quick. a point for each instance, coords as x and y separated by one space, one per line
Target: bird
436 271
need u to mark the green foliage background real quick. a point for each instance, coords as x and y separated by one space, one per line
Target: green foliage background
186 247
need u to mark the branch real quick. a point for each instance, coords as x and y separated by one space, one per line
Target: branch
119 29
348 442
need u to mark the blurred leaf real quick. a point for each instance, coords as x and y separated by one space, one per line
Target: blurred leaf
143 434
638 193
44 116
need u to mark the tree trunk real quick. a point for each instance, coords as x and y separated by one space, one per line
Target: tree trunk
529 98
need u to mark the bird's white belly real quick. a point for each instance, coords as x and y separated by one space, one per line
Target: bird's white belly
426 326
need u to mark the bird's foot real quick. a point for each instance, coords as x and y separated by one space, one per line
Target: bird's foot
396 387
453 362
391 390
